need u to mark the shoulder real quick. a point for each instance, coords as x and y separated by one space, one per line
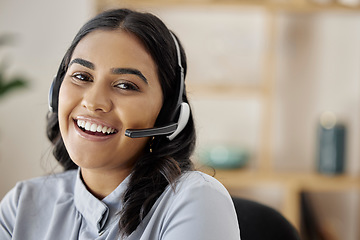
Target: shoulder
64 181
29 198
197 181
57 178
50 185
199 192
200 206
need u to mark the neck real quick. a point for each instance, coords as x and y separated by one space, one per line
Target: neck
102 183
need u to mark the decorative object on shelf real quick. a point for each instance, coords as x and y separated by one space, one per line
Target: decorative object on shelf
332 144
224 157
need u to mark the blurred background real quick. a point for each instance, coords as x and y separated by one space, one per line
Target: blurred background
274 86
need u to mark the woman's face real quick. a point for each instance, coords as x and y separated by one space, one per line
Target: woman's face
111 85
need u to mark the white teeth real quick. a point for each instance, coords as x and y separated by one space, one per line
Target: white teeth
94 127
81 123
87 126
104 129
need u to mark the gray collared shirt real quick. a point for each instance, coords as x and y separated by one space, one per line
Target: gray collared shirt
60 207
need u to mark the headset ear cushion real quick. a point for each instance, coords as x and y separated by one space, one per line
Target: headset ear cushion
51 95
183 119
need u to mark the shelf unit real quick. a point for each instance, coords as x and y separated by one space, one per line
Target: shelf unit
291 184
293 5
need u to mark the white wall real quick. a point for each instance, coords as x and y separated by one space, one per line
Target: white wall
44 30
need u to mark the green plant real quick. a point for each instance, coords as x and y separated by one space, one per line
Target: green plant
8 84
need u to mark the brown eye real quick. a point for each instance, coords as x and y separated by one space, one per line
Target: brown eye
81 77
127 86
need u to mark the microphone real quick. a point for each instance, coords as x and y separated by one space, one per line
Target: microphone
171 130
150 132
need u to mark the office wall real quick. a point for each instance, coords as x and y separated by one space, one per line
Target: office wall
44 30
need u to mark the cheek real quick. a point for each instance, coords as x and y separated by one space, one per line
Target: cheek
141 115
67 102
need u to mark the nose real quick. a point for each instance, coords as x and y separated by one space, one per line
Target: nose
97 99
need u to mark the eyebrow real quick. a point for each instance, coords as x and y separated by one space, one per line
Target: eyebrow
83 62
129 71
91 66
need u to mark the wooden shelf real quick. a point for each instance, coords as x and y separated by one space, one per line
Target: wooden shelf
240 178
291 183
288 5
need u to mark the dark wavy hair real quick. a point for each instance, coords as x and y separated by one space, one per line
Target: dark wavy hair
155 170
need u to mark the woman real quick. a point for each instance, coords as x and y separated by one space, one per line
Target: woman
121 74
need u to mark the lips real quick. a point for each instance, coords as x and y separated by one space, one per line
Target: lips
94 128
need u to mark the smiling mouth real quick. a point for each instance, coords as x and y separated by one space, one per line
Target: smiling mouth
95 129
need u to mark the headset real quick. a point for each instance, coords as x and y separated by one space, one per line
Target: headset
170 130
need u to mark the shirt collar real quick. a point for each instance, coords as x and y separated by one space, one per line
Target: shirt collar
98 212
114 200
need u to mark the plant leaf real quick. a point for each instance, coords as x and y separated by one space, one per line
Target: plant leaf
7 38
14 83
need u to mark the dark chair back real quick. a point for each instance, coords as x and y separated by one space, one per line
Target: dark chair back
257 222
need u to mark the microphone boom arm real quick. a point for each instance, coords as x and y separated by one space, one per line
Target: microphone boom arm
149 132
